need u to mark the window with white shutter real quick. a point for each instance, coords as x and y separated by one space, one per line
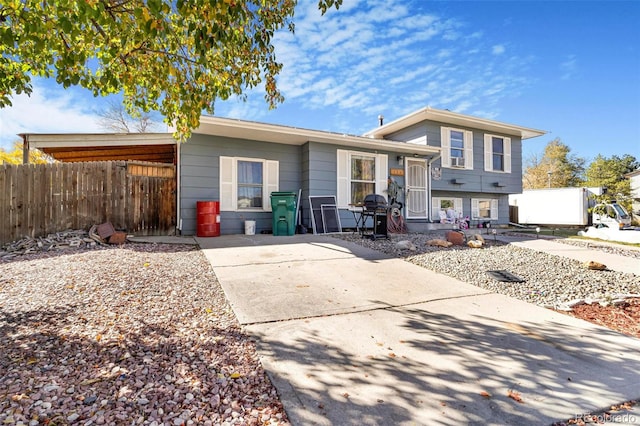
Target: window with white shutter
360 174
443 204
484 208
247 183
497 153
457 148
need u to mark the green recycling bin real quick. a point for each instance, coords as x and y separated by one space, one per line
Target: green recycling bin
283 206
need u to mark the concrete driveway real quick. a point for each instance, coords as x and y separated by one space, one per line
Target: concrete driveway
350 336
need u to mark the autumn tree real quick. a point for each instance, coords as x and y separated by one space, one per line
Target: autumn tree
608 172
555 168
176 57
115 118
15 157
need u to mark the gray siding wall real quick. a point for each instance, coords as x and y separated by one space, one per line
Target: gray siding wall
476 180
200 173
477 183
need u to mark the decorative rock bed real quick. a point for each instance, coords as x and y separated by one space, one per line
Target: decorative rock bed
550 281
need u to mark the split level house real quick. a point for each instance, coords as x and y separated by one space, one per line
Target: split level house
439 160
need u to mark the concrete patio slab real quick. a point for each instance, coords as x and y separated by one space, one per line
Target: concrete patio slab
447 362
351 337
316 276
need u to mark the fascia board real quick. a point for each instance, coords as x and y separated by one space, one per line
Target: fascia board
448 117
239 129
70 140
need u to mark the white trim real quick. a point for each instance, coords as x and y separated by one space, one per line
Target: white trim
80 140
410 188
271 176
249 130
454 119
382 175
445 143
343 188
468 150
226 179
488 152
507 155
178 190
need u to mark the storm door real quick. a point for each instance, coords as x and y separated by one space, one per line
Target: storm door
416 181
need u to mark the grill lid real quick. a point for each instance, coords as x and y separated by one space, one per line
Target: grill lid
375 201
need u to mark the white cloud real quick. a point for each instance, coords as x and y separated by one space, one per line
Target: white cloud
47 110
340 71
498 49
382 56
351 58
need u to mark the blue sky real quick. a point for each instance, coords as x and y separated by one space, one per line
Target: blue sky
569 67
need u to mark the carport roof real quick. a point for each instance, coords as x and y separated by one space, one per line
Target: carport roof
77 147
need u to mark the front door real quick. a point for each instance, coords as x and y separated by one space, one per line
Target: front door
416 182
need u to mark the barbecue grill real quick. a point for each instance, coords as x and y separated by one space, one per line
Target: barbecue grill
375 206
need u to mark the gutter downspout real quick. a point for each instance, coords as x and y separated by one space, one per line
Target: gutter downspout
178 181
429 203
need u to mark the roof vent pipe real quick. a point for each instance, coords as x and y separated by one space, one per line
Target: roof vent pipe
381 119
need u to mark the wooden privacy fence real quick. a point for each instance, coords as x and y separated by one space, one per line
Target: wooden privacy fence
39 199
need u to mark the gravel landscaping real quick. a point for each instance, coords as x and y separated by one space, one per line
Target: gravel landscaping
137 334
549 280
143 333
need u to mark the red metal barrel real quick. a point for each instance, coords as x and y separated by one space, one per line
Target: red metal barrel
208 220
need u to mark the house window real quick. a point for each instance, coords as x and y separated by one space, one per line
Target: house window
363 177
497 153
247 183
360 174
442 206
457 148
250 184
484 209
457 144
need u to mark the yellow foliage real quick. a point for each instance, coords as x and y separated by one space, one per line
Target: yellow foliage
15 156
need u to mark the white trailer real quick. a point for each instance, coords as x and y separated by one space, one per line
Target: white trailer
554 206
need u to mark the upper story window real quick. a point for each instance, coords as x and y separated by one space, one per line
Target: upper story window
457 148
360 174
497 153
246 183
457 144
